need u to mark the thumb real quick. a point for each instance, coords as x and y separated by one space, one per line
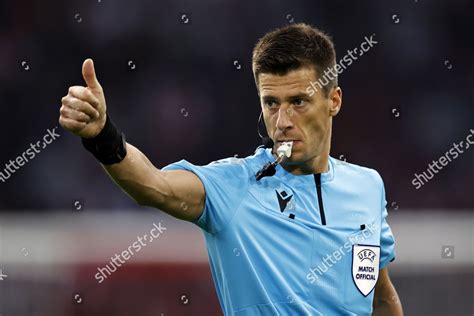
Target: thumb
88 72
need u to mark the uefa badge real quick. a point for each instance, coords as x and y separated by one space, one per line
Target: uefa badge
365 267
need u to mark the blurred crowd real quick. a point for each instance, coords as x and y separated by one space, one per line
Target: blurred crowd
178 81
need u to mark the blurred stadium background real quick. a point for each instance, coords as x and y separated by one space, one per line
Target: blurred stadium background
177 91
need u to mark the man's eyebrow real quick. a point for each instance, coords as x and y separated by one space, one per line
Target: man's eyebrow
269 98
301 95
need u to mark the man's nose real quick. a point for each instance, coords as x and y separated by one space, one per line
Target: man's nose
284 118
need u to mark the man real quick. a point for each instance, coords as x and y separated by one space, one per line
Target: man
310 240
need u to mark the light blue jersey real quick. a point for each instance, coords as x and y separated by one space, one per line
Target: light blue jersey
293 245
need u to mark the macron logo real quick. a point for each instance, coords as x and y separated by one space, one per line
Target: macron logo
283 199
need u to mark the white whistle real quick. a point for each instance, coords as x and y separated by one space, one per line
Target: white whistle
269 169
285 149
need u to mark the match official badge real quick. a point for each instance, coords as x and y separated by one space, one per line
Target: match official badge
365 267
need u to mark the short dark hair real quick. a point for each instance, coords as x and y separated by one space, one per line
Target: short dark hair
291 47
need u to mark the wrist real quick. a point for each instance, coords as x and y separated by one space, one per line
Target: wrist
109 145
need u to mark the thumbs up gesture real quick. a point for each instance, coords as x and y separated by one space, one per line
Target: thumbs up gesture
83 110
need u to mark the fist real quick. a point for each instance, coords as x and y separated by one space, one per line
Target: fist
83 110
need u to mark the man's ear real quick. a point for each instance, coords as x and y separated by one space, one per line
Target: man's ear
335 101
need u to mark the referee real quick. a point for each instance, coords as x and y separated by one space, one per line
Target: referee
308 237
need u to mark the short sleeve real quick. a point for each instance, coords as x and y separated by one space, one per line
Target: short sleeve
225 182
387 240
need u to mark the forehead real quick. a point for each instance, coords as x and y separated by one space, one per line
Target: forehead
295 81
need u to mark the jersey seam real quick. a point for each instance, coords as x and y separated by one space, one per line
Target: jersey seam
224 227
383 204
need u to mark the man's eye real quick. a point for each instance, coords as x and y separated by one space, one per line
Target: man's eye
270 103
299 102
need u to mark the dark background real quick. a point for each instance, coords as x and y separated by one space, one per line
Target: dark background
189 68
174 90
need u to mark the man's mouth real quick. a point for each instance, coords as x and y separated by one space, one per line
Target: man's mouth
279 142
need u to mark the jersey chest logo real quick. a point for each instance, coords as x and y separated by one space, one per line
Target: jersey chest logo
365 267
283 199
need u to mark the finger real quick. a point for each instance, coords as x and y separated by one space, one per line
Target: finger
75 115
84 94
71 124
88 72
81 106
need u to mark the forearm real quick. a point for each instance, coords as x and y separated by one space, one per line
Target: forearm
387 303
388 308
137 176
83 112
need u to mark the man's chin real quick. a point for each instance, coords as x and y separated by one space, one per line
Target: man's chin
296 158
292 161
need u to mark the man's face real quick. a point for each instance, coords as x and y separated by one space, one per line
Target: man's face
290 113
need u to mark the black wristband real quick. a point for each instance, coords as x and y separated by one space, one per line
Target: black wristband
108 146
